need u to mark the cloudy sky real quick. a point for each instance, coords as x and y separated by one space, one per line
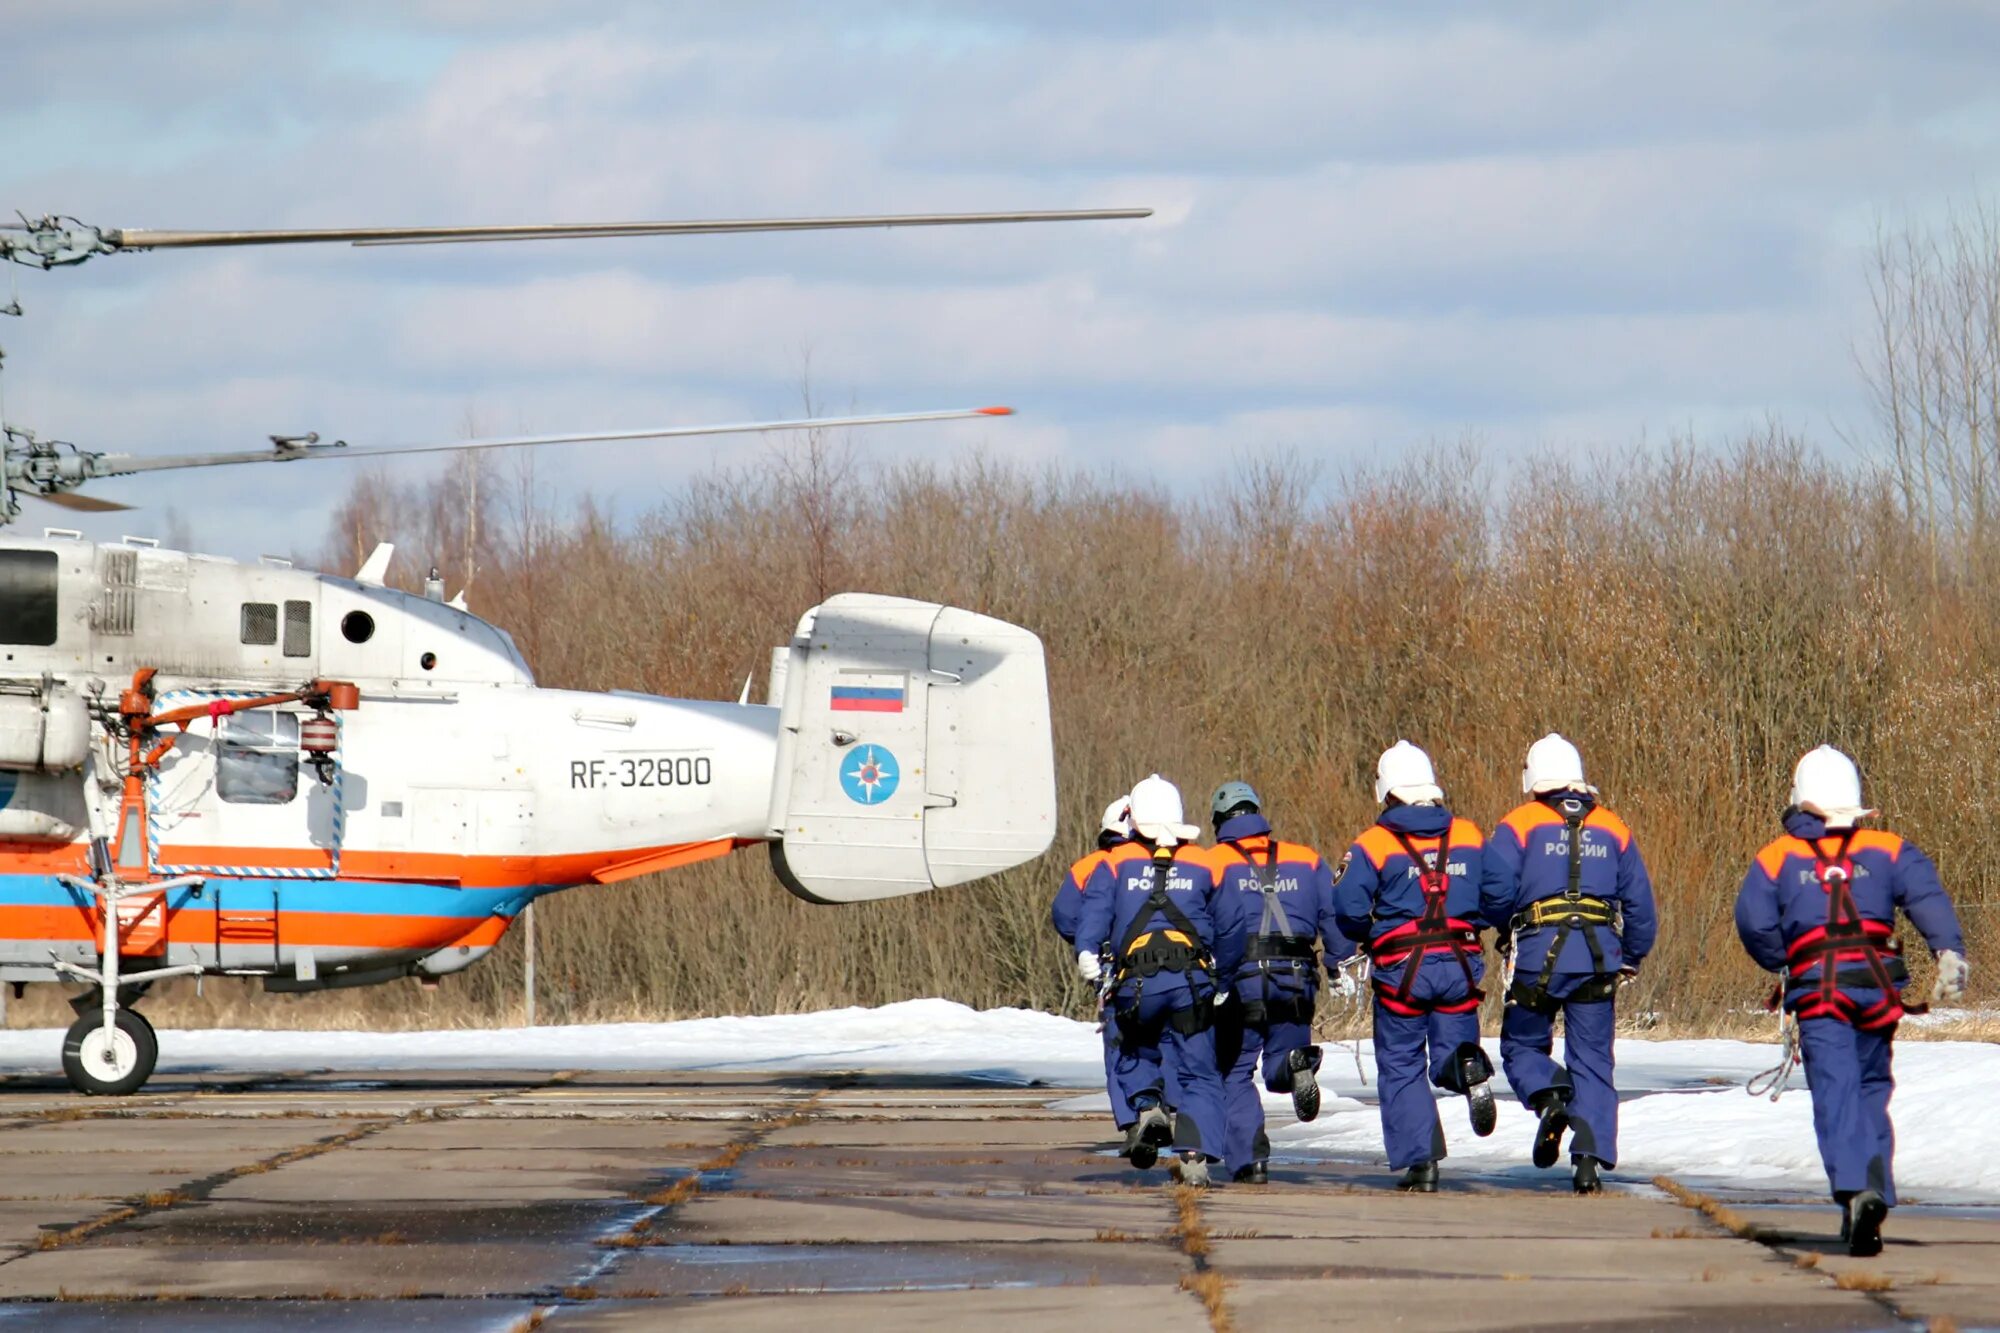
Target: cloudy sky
1573 227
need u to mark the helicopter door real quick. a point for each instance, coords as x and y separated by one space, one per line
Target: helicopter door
233 801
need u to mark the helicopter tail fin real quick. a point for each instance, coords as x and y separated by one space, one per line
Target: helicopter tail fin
914 750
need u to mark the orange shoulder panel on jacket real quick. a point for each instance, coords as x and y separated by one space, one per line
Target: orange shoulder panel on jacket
1378 845
1211 859
1124 854
1465 833
1525 819
1612 824
1298 851
1876 840
1080 870
1772 859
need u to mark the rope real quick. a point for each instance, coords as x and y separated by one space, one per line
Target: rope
1357 968
1778 1077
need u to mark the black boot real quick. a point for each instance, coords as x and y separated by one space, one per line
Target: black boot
1479 1103
1555 1122
1305 1082
1256 1173
1420 1179
1585 1180
1150 1133
1863 1229
1473 1073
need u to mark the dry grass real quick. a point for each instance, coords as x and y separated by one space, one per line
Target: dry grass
1857 1279
1806 1260
1212 1290
1723 1216
1188 1226
1692 618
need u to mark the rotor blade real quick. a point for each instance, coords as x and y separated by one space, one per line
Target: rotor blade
118 465
82 504
139 238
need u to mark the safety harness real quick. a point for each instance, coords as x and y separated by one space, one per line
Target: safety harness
1848 950
1574 911
1433 932
1145 952
1275 949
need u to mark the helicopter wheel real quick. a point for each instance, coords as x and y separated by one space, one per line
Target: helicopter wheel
113 1063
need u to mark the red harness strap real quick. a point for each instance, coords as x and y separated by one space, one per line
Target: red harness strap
1433 932
1847 937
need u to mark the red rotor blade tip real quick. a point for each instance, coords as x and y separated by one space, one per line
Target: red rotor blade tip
996 411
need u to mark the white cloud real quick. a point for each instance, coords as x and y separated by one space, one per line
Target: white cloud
1561 228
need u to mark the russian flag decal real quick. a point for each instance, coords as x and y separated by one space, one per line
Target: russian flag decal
870 694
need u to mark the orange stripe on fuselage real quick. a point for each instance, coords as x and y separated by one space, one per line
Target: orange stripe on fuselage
351 930
472 872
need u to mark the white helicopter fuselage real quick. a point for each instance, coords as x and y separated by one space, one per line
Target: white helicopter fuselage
904 746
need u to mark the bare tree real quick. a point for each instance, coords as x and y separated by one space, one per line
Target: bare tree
1932 366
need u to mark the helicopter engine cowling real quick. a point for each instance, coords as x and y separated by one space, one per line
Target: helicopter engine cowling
44 728
914 750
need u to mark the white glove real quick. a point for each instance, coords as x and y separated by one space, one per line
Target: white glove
1952 974
1343 984
1221 998
1088 967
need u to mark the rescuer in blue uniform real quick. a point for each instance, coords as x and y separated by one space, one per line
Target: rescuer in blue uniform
1273 903
1818 907
1148 900
1410 893
1067 907
1565 880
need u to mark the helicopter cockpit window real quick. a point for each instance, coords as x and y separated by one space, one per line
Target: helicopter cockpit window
28 598
257 761
298 629
260 623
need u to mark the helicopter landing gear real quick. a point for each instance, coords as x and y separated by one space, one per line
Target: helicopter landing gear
110 1051
113 1061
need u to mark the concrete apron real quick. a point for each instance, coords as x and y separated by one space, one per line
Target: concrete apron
711 1201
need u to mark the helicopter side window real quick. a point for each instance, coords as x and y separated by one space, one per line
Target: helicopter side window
298 629
28 598
257 761
260 623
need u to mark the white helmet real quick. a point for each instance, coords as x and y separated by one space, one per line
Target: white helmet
1157 815
1118 817
1553 765
1405 773
1826 783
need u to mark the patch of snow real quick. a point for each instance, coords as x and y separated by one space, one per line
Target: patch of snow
1685 1112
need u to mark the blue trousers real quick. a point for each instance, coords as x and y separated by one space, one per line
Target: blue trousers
1121 1105
1239 1049
1526 1040
1412 1052
1159 1063
1851 1081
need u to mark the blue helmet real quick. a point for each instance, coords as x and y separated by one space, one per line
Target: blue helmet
1231 797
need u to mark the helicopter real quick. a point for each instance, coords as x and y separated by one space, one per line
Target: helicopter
210 767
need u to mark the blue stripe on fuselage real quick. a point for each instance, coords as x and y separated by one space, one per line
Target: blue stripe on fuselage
362 897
